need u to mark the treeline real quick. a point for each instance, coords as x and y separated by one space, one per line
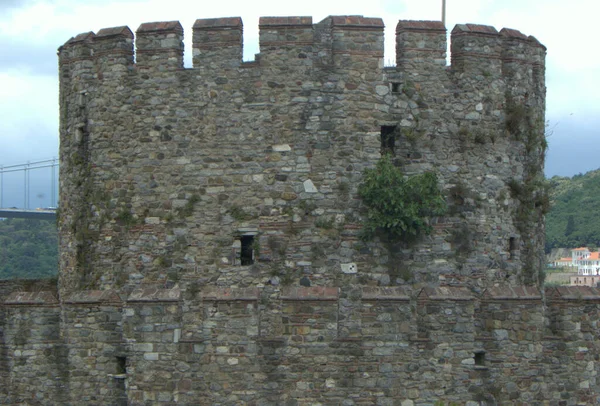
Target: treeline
28 249
574 216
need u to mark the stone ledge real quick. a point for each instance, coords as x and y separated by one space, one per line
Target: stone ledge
416 25
43 298
310 293
160 26
231 294
151 294
445 293
474 29
573 293
398 293
512 293
300 21
512 33
122 31
212 24
357 22
94 297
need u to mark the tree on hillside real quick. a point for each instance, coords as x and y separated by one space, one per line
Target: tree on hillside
570 226
28 249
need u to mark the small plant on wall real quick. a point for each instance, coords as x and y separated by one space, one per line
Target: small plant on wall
399 205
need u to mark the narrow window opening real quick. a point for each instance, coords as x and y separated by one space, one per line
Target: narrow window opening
119 382
512 247
396 88
479 358
121 365
247 251
388 139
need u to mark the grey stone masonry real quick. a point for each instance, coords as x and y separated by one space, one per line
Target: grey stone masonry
210 225
246 174
303 346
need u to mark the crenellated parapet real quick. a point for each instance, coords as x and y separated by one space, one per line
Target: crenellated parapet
476 47
523 60
481 49
218 43
113 50
159 46
354 42
286 41
421 46
357 39
76 58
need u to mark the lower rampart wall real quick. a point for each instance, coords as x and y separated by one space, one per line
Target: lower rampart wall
302 346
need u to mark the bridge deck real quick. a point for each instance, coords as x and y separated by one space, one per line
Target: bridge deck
28 214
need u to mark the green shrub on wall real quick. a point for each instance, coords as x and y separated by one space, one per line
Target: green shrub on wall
399 205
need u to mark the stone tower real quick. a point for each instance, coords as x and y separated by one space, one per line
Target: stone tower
245 174
210 225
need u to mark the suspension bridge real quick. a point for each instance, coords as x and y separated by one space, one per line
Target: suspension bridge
38 179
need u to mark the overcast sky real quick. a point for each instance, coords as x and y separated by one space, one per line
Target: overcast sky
32 30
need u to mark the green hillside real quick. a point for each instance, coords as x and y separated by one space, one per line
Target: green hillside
574 216
28 249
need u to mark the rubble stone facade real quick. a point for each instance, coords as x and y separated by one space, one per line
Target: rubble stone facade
209 222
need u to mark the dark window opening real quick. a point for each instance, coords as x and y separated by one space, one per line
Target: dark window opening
388 139
121 365
479 358
120 377
512 247
396 88
247 251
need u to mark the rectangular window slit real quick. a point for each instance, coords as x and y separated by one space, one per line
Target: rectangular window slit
388 139
121 365
479 358
512 247
396 88
247 250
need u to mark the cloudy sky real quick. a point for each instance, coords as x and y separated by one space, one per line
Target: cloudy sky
32 30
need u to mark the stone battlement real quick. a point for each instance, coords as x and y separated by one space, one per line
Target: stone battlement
218 44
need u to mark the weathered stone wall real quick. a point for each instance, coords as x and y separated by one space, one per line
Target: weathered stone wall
6 288
92 332
305 346
209 225
167 172
36 354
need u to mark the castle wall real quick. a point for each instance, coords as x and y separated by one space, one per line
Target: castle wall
166 170
92 333
37 361
210 225
305 346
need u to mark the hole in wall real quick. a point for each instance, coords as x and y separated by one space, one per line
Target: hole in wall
479 358
388 139
512 247
247 250
121 365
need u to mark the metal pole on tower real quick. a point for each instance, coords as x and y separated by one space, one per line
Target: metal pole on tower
444 13
25 187
53 190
